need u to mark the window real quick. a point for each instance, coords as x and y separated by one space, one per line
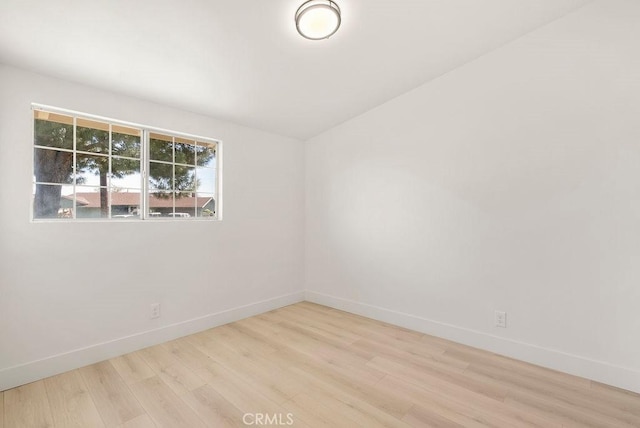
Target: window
87 167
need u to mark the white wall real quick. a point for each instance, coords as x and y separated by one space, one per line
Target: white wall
511 183
84 290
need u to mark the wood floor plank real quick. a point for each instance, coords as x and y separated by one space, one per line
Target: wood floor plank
319 326
170 370
339 358
215 410
317 413
487 359
354 404
273 331
27 406
460 406
1 409
626 401
317 334
385 333
70 401
132 368
157 357
319 375
236 390
567 414
114 401
381 329
291 336
446 379
242 394
411 356
142 421
267 378
261 335
421 416
180 379
187 353
164 407
577 397
242 341
612 390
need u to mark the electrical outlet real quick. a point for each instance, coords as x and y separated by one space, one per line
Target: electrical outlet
155 310
501 319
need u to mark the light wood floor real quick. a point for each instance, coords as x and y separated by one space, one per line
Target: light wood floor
321 368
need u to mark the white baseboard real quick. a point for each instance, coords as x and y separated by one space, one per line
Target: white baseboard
29 372
621 377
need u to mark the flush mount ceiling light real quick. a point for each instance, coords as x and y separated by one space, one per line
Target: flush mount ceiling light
318 19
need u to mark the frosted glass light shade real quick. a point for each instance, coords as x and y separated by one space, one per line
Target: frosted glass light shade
318 19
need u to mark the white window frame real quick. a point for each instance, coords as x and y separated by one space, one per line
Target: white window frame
145 131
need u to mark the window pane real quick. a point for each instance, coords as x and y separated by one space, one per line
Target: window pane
185 179
92 136
93 124
125 203
92 202
53 130
206 154
49 203
185 151
206 180
160 176
185 204
91 170
125 142
52 117
125 173
160 204
206 206
160 147
53 166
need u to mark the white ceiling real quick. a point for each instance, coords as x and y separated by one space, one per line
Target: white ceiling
242 60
